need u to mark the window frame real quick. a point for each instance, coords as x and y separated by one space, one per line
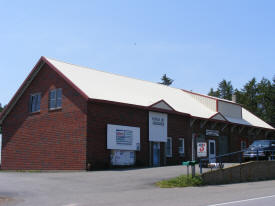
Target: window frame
171 147
182 145
55 100
37 102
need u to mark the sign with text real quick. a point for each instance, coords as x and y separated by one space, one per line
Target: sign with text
122 157
201 149
212 132
157 127
123 137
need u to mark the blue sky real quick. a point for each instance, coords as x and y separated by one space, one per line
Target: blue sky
196 43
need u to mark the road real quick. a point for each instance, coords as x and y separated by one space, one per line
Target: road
124 187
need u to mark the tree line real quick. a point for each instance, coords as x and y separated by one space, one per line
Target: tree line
257 97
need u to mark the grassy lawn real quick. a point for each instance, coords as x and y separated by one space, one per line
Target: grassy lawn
181 181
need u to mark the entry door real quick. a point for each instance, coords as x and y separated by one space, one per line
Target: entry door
212 151
156 154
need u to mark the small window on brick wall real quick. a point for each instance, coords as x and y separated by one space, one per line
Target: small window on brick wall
34 104
55 99
181 146
169 147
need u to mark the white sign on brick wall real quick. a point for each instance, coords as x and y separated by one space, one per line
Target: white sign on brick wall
201 149
123 137
157 127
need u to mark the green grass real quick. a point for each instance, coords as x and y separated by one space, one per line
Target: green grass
181 181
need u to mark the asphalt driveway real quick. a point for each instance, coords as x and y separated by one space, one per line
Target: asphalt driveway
117 187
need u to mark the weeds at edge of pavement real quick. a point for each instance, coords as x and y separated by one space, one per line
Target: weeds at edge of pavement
181 181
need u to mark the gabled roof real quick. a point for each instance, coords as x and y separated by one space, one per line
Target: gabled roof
111 87
98 85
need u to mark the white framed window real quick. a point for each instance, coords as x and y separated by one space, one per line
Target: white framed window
34 104
169 147
243 144
181 146
55 99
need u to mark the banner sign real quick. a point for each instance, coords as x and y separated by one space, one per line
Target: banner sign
123 137
212 132
157 127
122 157
201 149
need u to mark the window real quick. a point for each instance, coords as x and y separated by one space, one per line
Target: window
181 146
243 144
55 99
169 147
34 104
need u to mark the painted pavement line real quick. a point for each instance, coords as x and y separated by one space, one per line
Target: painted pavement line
239 201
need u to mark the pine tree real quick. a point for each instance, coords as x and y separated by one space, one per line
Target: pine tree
166 80
224 91
214 93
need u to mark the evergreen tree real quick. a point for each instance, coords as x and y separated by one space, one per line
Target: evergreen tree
214 93
264 99
166 80
258 98
247 96
224 91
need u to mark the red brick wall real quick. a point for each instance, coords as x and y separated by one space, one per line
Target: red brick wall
178 127
101 114
48 139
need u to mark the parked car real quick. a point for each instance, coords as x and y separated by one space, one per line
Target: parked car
264 149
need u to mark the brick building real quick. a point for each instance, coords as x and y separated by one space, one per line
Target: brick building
67 117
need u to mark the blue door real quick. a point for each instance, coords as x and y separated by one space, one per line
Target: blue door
156 154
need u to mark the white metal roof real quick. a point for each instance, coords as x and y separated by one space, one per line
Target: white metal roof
106 86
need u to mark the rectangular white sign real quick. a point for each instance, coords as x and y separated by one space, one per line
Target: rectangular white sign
122 157
157 127
201 149
123 137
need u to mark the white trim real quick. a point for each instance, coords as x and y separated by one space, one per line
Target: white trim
162 105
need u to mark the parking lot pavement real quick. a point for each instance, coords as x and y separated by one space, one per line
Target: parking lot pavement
266 200
118 187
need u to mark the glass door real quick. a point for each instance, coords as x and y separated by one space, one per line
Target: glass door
156 154
212 151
